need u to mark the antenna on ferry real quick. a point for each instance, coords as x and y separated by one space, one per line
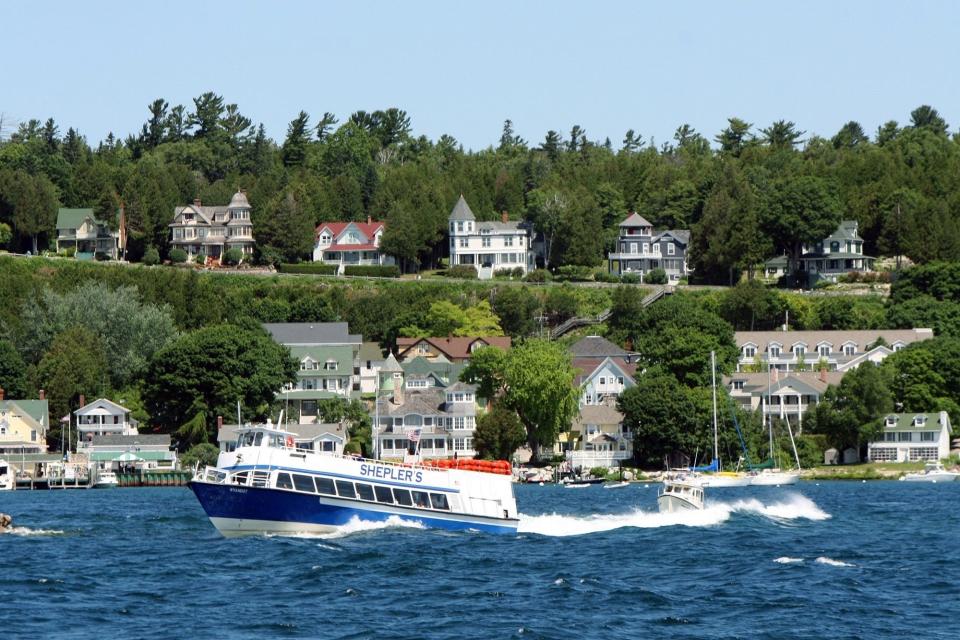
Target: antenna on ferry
239 421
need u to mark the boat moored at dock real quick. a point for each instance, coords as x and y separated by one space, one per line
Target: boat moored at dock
267 486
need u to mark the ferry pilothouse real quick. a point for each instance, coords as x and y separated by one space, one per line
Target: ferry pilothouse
267 485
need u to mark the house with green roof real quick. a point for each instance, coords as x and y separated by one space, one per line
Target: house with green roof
839 253
79 230
328 358
912 437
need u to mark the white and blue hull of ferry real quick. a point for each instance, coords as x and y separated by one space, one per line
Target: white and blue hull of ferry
268 486
236 511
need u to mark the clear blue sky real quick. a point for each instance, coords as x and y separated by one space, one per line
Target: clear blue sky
462 68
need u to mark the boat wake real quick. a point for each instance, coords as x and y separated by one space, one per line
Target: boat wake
355 525
27 531
794 507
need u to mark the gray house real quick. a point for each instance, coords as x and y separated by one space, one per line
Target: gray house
640 250
839 253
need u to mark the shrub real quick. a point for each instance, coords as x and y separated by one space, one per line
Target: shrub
605 276
101 256
599 472
232 256
573 273
151 256
178 256
538 275
200 259
373 270
631 278
506 273
518 272
465 271
318 268
267 255
656 276
70 252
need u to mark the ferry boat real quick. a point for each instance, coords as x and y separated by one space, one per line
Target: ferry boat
268 486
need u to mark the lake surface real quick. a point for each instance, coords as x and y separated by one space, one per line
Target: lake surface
838 560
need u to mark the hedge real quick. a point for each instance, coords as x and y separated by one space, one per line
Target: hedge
466 271
377 271
319 268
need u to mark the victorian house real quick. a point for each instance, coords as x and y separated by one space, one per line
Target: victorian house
839 253
350 243
210 231
80 231
437 421
489 246
329 366
640 250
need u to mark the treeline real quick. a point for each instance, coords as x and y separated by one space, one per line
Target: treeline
753 192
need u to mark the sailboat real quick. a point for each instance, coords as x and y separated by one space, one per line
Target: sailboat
772 475
719 477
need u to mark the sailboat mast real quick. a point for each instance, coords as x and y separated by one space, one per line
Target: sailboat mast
713 380
769 413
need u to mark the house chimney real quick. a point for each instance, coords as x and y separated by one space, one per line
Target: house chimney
196 202
43 396
504 217
823 374
369 220
1 394
219 423
83 399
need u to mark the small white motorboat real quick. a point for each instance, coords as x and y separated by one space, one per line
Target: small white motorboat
616 485
106 480
932 472
679 496
7 480
576 485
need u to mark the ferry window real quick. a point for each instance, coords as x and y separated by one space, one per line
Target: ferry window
240 478
258 439
345 489
325 486
421 499
383 494
303 483
284 481
439 501
365 492
402 496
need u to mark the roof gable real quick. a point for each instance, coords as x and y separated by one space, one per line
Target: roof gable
102 404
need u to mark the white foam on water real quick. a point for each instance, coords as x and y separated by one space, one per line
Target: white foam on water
787 560
26 531
832 562
794 507
353 526
555 524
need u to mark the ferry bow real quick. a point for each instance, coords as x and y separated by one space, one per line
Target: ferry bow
266 485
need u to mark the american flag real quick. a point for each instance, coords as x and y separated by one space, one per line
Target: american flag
414 435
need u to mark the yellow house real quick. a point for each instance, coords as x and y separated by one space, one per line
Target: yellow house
23 427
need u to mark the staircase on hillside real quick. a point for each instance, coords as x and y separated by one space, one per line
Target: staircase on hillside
570 324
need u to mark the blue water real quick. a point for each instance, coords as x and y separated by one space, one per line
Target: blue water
837 560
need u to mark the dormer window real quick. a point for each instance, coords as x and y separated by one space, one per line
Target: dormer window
738 385
849 349
749 351
823 350
774 350
325 238
477 345
919 421
330 365
799 350
897 346
891 421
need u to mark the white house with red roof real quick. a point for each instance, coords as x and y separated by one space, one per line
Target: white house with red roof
350 243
